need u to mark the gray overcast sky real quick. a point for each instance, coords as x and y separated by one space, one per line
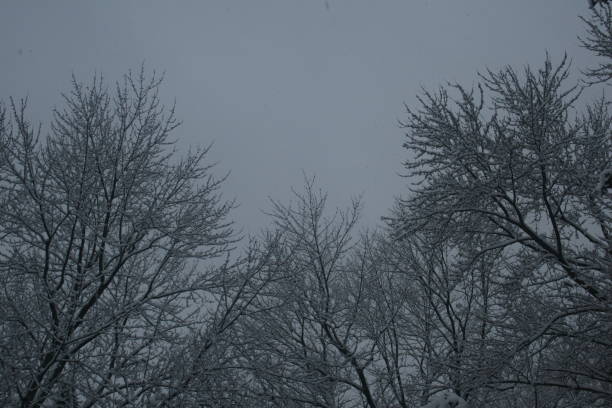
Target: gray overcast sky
284 86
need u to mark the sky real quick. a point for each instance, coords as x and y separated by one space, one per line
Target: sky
284 88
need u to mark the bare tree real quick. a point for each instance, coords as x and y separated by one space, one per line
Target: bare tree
527 179
105 236
309 348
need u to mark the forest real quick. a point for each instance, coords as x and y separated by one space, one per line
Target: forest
124 281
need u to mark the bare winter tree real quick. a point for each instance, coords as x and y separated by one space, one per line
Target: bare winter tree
309 348
528 178
105 236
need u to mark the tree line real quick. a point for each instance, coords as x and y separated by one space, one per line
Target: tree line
488 284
